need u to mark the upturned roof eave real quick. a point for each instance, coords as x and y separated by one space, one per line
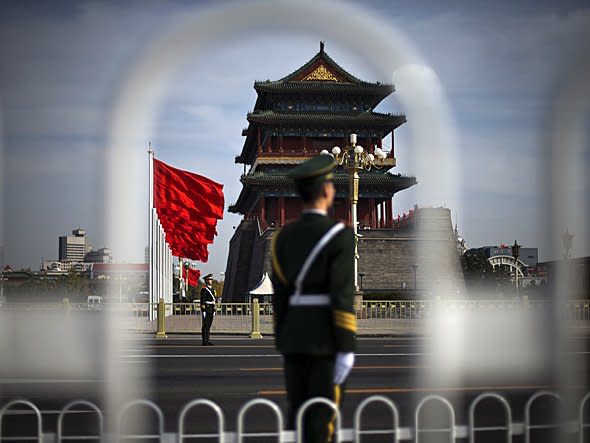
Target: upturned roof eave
252 191
370 179
375 92
266 118
317 87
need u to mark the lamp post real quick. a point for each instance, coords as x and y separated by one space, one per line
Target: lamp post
515 253
353 158
361 275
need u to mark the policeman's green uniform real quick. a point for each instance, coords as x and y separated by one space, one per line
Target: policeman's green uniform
312 326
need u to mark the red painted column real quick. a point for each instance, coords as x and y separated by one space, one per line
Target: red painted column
389 209
263 212
349 214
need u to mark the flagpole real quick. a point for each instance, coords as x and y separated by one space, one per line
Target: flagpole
181 288
186 285
150 229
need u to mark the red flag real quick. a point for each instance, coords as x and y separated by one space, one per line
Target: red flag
193 275
196 229
182 246
187 216
187 190
188 206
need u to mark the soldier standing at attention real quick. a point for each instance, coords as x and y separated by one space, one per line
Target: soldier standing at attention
207 308
314 321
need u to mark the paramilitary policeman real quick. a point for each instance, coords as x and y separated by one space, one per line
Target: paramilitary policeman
314 321
207 308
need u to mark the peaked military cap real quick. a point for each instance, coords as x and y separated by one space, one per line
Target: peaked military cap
315 169
208 276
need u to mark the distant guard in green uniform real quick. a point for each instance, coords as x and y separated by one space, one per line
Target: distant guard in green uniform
314 321
207 308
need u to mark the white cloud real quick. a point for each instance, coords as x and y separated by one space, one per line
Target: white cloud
502 163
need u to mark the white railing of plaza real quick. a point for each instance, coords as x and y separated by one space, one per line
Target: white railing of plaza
396 309
449 431
383 316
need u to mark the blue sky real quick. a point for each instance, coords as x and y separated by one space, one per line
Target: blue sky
64 63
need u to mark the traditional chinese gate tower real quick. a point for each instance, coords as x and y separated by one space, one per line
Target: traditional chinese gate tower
314 108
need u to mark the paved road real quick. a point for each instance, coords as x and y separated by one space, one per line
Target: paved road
236 370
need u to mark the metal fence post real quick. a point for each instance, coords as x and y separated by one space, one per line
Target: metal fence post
161 320
255 320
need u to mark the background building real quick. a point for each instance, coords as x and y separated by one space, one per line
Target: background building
74 247
102 255
312 109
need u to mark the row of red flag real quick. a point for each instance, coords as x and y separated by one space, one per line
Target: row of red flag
188 207
190 275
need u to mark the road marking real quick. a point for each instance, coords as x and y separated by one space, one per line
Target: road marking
200 346
253 355
385 390
397 354
391 367
166 346
261 369
354 368
202 356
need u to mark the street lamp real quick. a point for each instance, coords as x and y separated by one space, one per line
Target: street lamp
515 253
353 158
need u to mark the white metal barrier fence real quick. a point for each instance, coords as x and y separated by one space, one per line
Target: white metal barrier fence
450 432
382 316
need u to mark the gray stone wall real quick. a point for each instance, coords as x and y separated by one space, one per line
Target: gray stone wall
237 270
388 258
261 258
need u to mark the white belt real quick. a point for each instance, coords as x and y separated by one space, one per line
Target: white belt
309 300
298 299
209 302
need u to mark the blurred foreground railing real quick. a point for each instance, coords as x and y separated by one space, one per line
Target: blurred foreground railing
481 422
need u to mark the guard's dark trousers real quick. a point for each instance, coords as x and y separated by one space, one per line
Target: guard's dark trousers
308 376
206 325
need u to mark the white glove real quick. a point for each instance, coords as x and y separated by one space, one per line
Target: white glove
204 314
342 366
